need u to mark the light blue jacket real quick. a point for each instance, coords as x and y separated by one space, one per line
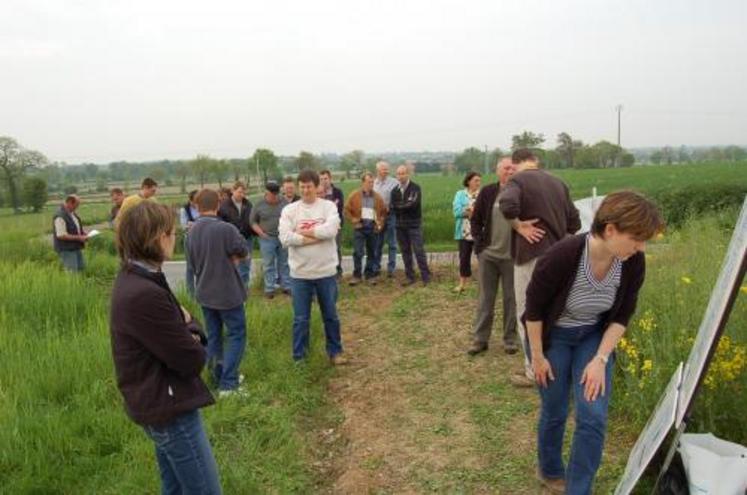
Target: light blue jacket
461 202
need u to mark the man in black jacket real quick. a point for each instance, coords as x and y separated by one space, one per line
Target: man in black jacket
405 202
492 234
335 195
237 210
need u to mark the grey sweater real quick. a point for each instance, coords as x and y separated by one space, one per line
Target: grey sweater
211 243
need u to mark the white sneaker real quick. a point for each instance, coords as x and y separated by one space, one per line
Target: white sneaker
237 392
241 379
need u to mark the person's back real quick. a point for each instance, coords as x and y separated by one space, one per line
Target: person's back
535 194
213 249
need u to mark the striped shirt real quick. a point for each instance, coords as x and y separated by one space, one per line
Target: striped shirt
589 297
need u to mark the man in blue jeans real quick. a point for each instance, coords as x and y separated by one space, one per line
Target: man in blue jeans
308 229
366 212
264 219
214 249
384 185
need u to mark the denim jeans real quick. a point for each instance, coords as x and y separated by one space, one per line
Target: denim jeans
570 350
326 293
184 456
387 235
72 260
274 264
224 358
190 272
245 265
364 242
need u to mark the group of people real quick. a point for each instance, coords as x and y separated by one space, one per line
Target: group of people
567 296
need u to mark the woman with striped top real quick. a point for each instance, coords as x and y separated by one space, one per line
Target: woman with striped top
580 299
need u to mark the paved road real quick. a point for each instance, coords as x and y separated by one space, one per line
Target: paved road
174 270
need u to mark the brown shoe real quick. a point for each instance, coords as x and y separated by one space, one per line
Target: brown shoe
553 485
510 348
520 380
354 281
338 360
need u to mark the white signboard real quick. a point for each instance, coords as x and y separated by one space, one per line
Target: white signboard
587 207
722 299
652 436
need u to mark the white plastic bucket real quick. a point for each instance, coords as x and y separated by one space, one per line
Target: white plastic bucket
713 466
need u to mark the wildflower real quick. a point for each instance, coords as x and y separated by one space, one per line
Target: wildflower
743 289
687 280
647 365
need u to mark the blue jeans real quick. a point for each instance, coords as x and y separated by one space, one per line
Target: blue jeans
184 456
570 350
224 358
364 242
274 264
387 235
326 293
72 260
190 272
245 265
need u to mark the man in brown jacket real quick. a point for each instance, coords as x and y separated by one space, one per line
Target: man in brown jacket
539 207
366 211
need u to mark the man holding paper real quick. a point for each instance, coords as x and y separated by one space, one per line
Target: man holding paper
69 237
366 211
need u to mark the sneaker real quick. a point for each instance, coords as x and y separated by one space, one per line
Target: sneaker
520 380
553 485
407 282
510 348
459 289
477 349
372 281
338 360
236 392
354 281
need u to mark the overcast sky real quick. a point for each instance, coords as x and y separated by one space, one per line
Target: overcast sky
146 79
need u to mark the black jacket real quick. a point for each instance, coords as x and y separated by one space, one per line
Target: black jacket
407 206
482 217
229 213
156 359
338 198
553 278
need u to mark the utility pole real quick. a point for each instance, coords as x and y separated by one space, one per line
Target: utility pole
619 110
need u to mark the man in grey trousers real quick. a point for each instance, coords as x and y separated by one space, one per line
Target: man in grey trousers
492 234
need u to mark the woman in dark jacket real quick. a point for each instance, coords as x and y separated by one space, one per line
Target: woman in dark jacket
581 297
158 352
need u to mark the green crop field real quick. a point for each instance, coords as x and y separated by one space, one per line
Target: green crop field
64 429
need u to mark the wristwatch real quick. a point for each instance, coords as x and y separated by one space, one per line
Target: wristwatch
603 357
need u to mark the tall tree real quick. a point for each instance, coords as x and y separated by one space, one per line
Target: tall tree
15 161
34 193
182 171
201 168
221 170
307 160
267 162
354 160
527 139
567 149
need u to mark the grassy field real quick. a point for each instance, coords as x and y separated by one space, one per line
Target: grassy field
412 413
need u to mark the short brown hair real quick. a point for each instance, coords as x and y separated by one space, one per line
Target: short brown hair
288 179
307 175
116 190
365 175
631 213
207 200
140 229
523 155
238 184
325 172
148 182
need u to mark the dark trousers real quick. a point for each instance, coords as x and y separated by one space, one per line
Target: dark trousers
465 257
410 239
364 242
387 235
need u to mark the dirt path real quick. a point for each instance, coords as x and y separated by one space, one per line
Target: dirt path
419 416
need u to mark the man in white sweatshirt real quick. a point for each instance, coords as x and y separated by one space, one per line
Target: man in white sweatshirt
308 228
